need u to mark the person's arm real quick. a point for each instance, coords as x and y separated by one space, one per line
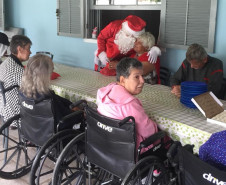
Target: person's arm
176 80
147 68
145 127
106 33
113 64
178 76
215 80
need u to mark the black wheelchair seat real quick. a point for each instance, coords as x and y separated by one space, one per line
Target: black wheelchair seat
37 120
110 143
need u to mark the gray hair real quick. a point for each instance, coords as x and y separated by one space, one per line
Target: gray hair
196 52
125 65
147 39
18 40
36 77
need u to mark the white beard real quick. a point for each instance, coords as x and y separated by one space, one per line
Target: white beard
125 43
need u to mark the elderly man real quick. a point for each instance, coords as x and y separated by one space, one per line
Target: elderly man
117 40
198 66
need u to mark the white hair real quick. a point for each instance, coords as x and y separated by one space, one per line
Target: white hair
147 40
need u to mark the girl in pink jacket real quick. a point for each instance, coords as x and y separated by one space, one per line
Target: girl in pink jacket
117 100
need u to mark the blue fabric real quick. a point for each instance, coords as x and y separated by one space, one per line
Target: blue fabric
214 150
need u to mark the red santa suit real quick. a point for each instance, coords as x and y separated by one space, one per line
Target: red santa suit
105 41
132 25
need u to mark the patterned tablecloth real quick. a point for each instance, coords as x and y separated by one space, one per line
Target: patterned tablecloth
184 124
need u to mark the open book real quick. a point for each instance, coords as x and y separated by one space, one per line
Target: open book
211 107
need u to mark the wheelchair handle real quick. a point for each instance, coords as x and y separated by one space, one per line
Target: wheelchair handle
3 90
125 120
77 103
173 150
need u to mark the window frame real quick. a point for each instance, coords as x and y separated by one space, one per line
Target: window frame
211 28
2 15
77 3
86 26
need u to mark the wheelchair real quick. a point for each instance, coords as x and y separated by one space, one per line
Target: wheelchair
183 168
106 152
38 141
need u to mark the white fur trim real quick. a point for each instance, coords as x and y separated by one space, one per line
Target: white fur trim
126 28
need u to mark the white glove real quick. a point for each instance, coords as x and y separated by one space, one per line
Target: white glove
153 54
103 58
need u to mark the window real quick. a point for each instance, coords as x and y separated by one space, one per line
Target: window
2 15
125 2
70 18
102 12
184 22
179 22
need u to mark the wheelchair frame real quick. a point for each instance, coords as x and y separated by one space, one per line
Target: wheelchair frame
18 151
74 166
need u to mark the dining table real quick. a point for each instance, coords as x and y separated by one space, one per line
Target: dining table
181 123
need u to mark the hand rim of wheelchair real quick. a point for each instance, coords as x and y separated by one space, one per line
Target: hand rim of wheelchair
46 152
97 175
62 163
143 167
20 146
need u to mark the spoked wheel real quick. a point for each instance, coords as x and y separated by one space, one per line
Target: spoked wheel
70 168
16 153
148 171
43 165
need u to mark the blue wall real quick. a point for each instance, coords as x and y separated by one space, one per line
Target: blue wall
38 18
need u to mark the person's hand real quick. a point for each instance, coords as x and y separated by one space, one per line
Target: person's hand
176 90
113 64
153 54
103 58
74 109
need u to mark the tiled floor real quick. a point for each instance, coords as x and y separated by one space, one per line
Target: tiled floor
20 181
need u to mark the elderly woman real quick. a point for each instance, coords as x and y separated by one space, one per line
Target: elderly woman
11 71
117 100
36 86
142 45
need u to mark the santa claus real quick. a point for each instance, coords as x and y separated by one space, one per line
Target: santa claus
117 40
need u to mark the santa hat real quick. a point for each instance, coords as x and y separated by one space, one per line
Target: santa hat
134 25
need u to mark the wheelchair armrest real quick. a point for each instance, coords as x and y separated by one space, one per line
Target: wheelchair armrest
10 88
150 140
4 90
10 120
77 103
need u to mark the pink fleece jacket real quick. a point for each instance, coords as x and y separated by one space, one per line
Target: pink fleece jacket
116 102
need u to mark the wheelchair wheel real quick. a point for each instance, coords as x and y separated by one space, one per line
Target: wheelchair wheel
16 153
43 165
70 168
150 170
